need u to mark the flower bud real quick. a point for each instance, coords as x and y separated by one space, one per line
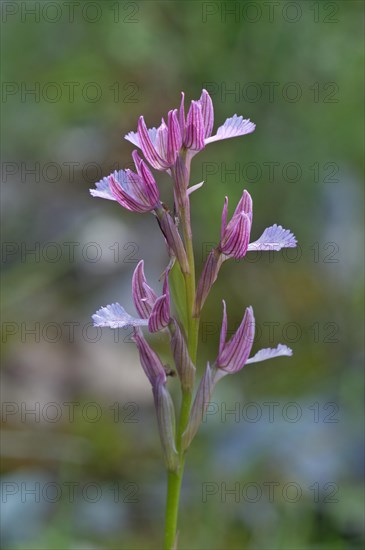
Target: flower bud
173 238
207 279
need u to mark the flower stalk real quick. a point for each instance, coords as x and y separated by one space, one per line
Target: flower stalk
170 148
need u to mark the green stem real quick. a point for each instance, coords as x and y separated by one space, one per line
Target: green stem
193 322
174 479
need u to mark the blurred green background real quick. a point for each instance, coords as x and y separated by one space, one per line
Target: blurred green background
84 469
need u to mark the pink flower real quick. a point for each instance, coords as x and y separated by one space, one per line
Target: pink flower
162 145
137 192
154 311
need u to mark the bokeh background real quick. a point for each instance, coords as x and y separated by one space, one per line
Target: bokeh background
81 463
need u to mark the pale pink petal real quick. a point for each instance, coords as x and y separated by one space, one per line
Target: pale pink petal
270 353
274 238
133 137
195 187
103 190
233 127
115 316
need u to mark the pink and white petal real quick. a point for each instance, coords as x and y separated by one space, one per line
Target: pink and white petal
244 205
103 190
235 352
270 353
115 316
174 139
133 137
274 237
128 201
207 112
233 127
161 139
149 147
194 137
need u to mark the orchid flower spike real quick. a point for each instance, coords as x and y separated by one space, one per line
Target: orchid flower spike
161 146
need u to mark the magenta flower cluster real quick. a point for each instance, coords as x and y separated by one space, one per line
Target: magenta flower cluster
170 148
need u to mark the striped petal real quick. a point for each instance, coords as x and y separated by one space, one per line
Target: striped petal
207 113
126 198
234 354
149 148
160 314
194 138
144 296
244 205
174 140
236 237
